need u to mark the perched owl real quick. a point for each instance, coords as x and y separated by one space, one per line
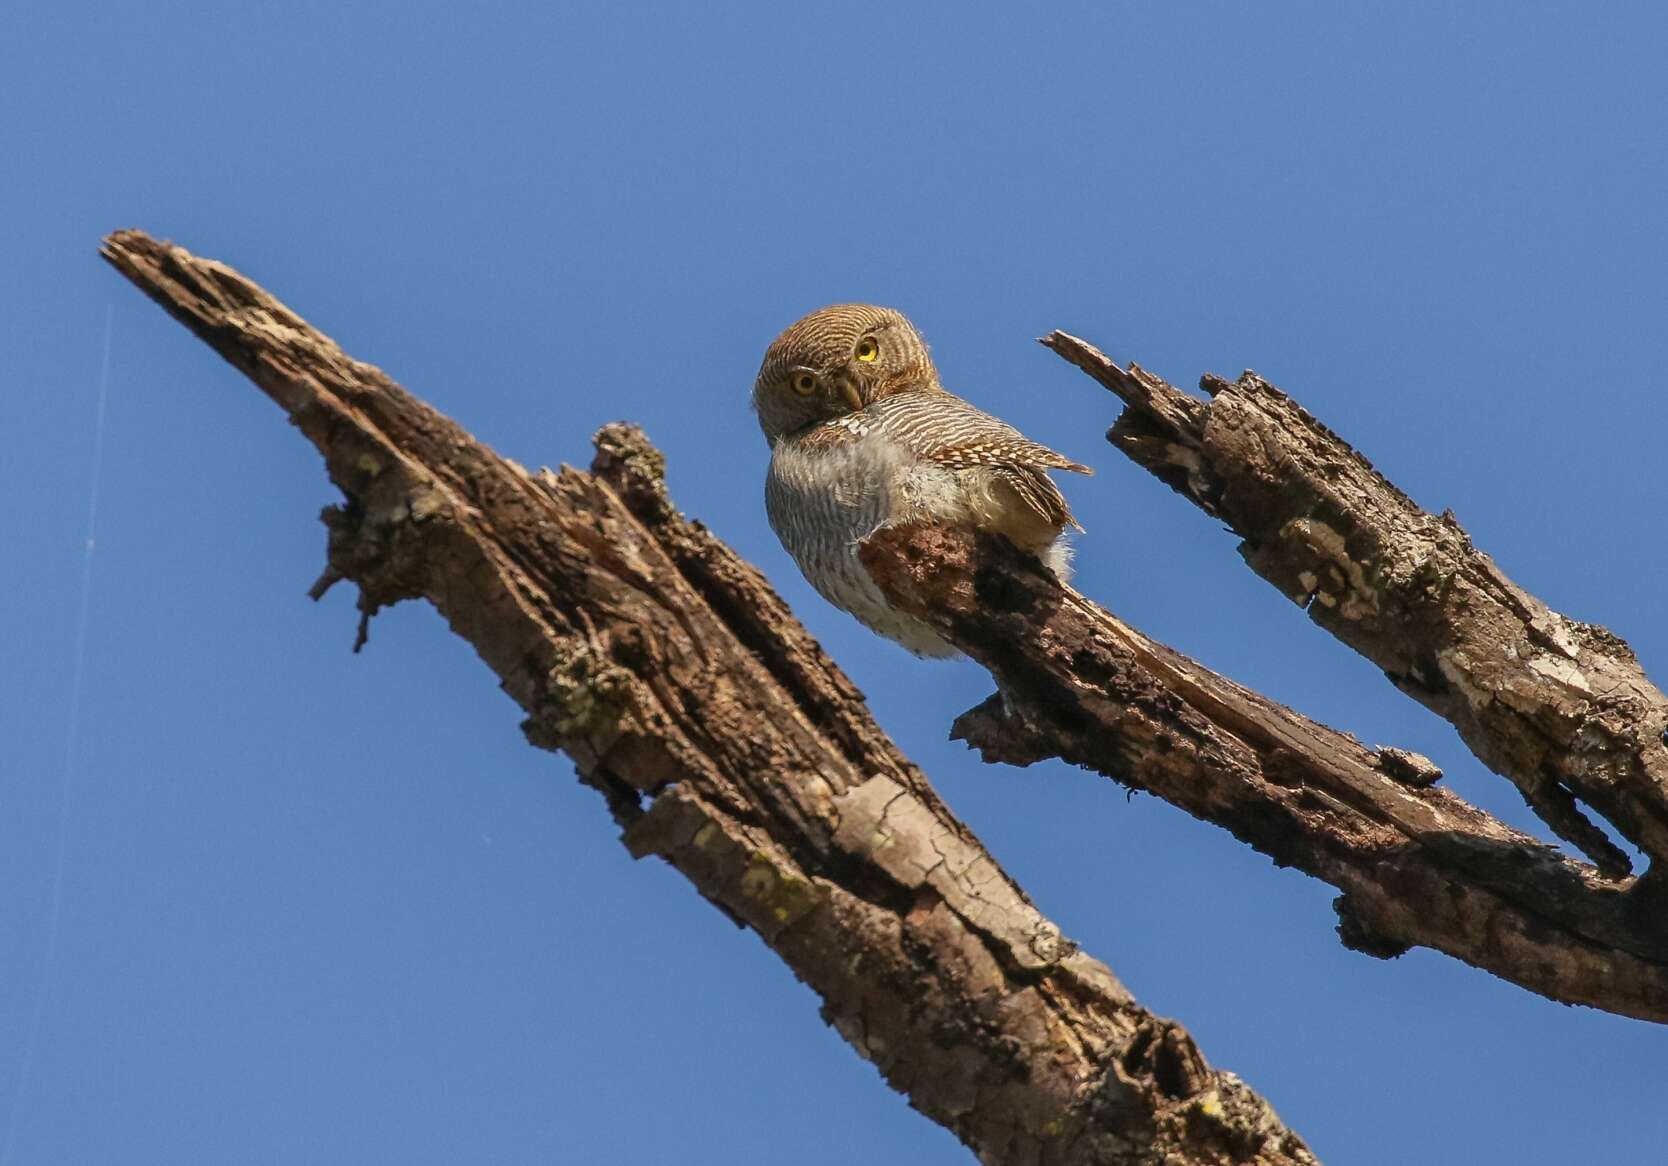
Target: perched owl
863 435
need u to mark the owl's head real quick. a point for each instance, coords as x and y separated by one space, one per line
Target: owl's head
837 360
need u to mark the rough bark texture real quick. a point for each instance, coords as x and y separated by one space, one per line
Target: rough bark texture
1561 708
1417 865
727 743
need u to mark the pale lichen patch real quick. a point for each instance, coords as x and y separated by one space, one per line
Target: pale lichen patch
1209 1103
1456 669
425 502
1561 672
584 693
1557 629
1358 598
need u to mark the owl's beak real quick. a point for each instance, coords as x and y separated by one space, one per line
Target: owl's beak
849 390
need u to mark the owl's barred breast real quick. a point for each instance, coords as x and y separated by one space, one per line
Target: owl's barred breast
822 500
824 497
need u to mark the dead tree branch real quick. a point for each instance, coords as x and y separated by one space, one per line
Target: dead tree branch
727 743
1561 708
1416 864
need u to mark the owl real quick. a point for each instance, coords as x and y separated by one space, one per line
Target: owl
863 435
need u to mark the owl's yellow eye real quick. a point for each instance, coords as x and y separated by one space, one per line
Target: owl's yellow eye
867 349
803 383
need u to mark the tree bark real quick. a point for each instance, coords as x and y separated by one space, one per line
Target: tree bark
1561 708
729 744
1416 864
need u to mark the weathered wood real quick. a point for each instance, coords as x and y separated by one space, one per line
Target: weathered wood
1416 864
727 743
1561 708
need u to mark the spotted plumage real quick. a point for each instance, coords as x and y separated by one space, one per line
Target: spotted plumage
864 435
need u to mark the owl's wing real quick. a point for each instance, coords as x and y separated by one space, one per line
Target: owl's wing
943 428
1038 493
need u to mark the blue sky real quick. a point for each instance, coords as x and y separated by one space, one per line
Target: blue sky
270 902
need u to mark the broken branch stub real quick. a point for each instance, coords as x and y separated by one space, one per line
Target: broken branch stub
1415 863
1561 708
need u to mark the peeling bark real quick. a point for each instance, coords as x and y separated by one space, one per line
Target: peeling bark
1416 864
727 743
1561 708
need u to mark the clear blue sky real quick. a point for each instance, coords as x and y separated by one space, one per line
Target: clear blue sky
275 903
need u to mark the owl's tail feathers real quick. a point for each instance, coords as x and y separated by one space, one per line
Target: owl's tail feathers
1071 519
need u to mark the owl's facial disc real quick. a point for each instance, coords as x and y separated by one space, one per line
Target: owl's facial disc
837 385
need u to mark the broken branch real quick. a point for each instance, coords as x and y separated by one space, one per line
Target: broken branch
1561 708
729 744
1415 863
